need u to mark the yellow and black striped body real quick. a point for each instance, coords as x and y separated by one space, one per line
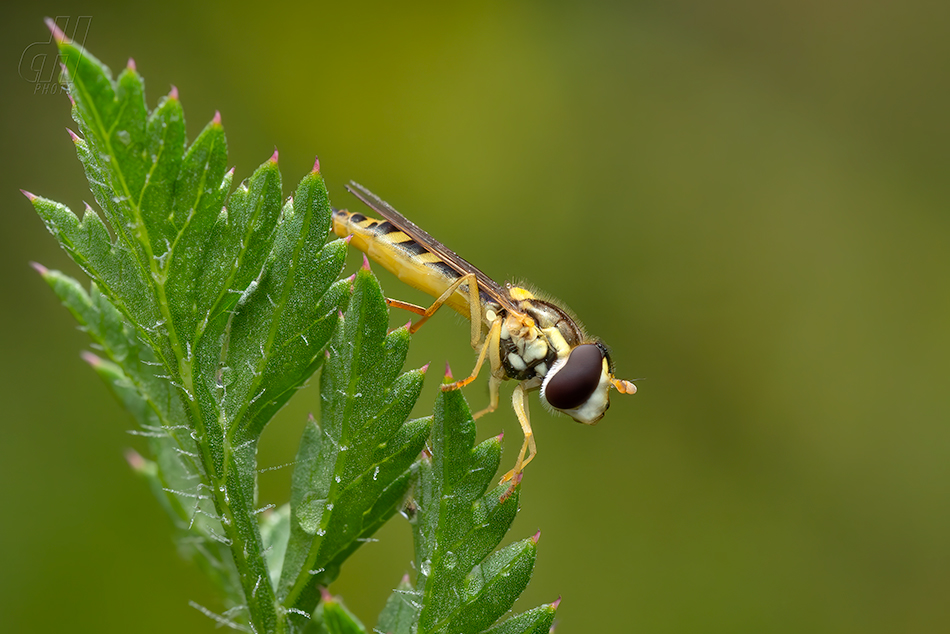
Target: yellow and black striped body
526 349
404 257
522 336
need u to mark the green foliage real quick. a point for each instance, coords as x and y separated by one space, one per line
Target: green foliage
353 470
463 586
209 307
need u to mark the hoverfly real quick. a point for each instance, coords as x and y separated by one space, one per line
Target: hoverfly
525 338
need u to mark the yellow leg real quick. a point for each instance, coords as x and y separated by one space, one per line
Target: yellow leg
529 447
412 308
493 387
493 335
476 308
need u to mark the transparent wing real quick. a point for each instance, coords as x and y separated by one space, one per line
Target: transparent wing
485 284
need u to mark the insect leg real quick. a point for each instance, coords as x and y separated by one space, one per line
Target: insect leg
492 336
493 388
412 308
494 383
529 447
444 297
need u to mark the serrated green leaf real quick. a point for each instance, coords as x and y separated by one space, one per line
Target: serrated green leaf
463 586
353 467
210 310
132 374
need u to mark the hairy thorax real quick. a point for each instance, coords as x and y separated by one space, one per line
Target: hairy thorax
532 340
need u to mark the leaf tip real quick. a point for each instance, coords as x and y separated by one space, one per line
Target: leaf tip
448 372
347 239
135 460
536 537
405 580
57 32
274 156
316 165
424 368
366 263
73 136
29 196
173 94
39 268
325 595
90 358
130 65
216 120
556 603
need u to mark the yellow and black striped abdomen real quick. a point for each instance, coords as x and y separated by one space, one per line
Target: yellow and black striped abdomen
402 256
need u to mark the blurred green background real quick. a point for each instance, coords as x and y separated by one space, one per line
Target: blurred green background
746 200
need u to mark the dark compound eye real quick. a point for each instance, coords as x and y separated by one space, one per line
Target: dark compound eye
573 384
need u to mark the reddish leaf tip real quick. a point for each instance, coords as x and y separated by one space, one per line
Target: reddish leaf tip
500 436
90 358
56 31
130 65
405 579
39 268
339 314
425 368
325 595
536 537
217 117
365 263
408 325
347 239
556 603
448 371
73 136
30 196
351 278
273 157
316 165
135 460
173 94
